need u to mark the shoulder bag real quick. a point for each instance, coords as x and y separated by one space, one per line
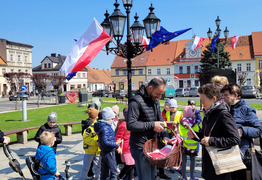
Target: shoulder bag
225 160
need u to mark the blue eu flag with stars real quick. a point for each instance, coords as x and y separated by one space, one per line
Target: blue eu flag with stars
213 42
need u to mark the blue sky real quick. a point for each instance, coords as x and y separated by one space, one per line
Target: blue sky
52 25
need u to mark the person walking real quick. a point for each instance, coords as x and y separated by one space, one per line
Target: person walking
246 119
144 120
223 134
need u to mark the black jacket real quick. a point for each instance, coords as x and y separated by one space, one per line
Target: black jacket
224 134
54 129
1 137
143 111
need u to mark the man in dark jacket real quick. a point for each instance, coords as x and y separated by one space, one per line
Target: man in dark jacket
246 119
52 127
3 138
144 119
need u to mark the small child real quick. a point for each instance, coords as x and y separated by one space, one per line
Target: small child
91 148
114 124
189 145
52 127
108 144
46 155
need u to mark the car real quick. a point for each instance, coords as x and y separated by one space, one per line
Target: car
133 92
122 93
250 91
19 96
183 92
50 93
101 93
169 92
193 91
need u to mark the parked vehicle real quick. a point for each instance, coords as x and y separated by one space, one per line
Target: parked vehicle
169 92
250 91
182 92
101 93
19 96
50 93
133 93
193 91
122 93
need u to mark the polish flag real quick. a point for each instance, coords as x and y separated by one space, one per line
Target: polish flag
86 48
197 42
234 41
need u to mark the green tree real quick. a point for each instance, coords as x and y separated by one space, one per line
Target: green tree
209 60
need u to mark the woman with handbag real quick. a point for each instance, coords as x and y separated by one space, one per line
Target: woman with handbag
219 129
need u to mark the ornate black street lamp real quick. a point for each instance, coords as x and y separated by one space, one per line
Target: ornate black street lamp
116 27
218 31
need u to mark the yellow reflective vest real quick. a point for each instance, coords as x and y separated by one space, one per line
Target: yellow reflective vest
90 139
178 117
188 142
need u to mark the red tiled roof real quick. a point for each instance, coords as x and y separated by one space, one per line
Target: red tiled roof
96 75
257 43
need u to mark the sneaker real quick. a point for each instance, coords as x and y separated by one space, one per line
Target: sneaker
171 170
193 179
164 177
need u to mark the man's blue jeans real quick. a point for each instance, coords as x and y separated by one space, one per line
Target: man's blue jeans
144 169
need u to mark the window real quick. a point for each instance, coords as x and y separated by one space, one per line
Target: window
11 57
149 71
12 70
78 75
238 67
3 71
19 58
188 69
72 87
124 72
84 75
188 83
19 70
196 69
158 71
49 65
117 72
140 83
142 59
26 71
79 86
45 65
140 71
248 67
248 81
133 72
196 83
180 69
168 71
259 64
26 57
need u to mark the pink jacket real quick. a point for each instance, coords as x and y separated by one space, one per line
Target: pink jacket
123 133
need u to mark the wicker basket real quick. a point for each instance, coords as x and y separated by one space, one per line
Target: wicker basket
170 160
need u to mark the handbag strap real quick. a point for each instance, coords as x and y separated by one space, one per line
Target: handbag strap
213 125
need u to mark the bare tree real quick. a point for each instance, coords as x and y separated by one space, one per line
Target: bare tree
40 81
242 77
16 80
57 82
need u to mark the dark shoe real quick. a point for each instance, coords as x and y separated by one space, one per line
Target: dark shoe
164 177
171 170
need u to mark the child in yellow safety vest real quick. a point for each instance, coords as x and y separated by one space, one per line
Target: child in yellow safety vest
189 145
173 116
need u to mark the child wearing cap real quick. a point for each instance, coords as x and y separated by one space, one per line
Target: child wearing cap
108 144
52 127
174 116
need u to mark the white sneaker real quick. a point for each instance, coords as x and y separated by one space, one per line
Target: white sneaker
90 177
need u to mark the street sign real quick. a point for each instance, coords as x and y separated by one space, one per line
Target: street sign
168 80
24 87
146 82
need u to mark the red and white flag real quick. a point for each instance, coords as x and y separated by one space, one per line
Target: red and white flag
197 42
86 48
234 41
176 77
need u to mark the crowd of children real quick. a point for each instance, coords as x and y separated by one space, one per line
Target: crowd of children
105 136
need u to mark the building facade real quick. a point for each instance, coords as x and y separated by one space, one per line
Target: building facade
15 57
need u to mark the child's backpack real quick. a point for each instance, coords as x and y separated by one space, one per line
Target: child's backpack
33 165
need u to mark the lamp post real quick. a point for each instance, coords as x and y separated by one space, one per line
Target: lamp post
218 31
129 49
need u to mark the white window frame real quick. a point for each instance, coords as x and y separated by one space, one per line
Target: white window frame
158 71
259 64
248 66
149 71
239 68
18 58
168 71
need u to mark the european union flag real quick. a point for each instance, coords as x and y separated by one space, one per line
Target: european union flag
70 75
162 36
213 42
